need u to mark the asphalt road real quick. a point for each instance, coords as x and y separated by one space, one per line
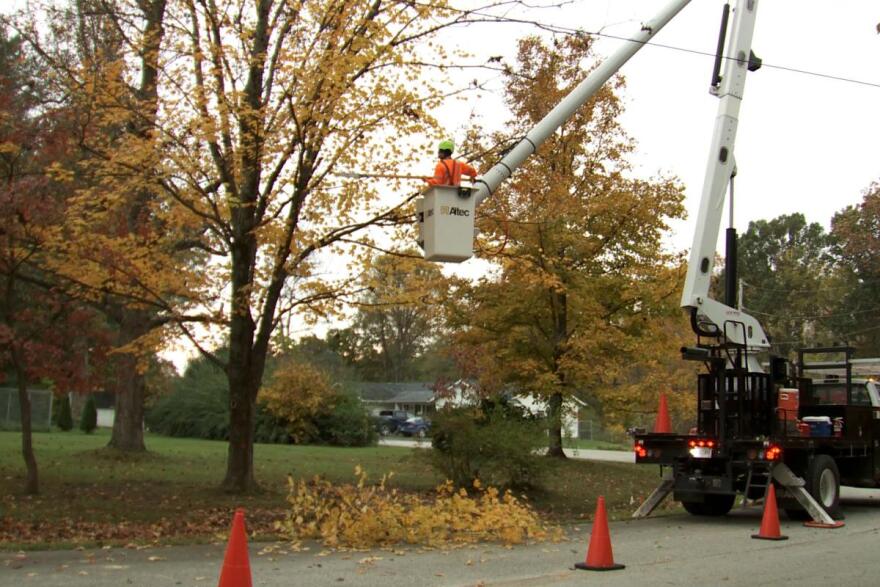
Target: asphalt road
677 550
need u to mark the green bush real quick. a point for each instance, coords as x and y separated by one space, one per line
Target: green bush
347 424
88 421
495 442
198 407
65 418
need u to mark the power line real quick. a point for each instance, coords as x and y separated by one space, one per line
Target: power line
813 290
816 317
707 54
843 336
572 31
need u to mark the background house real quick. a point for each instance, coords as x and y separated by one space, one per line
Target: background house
463 393
416 397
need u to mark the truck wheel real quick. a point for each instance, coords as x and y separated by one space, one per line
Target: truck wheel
823 483
715 505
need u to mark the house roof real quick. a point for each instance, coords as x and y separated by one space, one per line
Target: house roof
409 393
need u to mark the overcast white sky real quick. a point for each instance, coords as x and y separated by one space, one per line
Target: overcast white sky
805 143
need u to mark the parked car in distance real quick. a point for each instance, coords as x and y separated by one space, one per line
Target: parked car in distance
418 427
390 421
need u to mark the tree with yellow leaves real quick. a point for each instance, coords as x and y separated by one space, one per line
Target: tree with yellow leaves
231 159
584 282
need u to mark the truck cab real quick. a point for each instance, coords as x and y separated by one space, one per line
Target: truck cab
832 391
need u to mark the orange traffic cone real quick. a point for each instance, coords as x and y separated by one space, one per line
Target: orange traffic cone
236 571
662 424
770 521
599 555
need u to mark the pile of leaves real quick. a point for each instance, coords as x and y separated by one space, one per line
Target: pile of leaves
364 516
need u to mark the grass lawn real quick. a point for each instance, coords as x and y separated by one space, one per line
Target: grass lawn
92 495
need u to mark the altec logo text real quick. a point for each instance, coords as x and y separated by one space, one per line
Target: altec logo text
454 211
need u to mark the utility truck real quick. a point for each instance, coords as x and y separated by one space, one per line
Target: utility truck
753 427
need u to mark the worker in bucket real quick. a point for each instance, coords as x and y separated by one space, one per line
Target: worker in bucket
449 170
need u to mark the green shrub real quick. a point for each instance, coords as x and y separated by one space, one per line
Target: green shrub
88 421
347 424
65 418
198 407
495 443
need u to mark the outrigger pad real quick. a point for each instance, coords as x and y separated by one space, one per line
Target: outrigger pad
813 524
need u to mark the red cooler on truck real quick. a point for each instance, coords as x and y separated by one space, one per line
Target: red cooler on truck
787 404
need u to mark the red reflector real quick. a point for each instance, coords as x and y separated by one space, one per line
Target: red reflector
710 444
692 443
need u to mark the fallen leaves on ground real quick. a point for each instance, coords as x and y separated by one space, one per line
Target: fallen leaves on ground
196 524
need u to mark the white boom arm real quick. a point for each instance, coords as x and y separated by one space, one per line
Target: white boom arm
489 182
446 213
737 326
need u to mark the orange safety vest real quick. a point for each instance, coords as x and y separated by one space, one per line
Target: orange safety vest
449 172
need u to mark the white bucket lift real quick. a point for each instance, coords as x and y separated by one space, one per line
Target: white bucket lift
446 223
446 220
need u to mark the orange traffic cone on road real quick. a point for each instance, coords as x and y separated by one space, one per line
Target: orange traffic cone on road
236 571
770 521
662 425
599 555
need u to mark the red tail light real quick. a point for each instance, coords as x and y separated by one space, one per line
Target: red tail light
701 442
640 451
773 453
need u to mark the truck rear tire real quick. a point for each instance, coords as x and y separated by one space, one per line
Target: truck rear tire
823 483
714 505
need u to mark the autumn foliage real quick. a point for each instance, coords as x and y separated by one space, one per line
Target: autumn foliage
296 395
583 286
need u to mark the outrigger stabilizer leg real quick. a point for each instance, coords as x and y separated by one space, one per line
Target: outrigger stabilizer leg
657 496
796 487
793 484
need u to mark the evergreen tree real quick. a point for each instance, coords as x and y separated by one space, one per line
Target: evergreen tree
65 418
89 419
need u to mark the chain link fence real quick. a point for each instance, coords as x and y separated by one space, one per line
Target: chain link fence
10 409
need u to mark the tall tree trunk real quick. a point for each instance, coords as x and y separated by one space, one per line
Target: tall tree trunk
243 387
244 370
557 400
240 455
31 486
128 421
555 404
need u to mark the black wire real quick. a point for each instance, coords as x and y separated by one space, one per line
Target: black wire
572 31
844 335
707 54
817 317
814 290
